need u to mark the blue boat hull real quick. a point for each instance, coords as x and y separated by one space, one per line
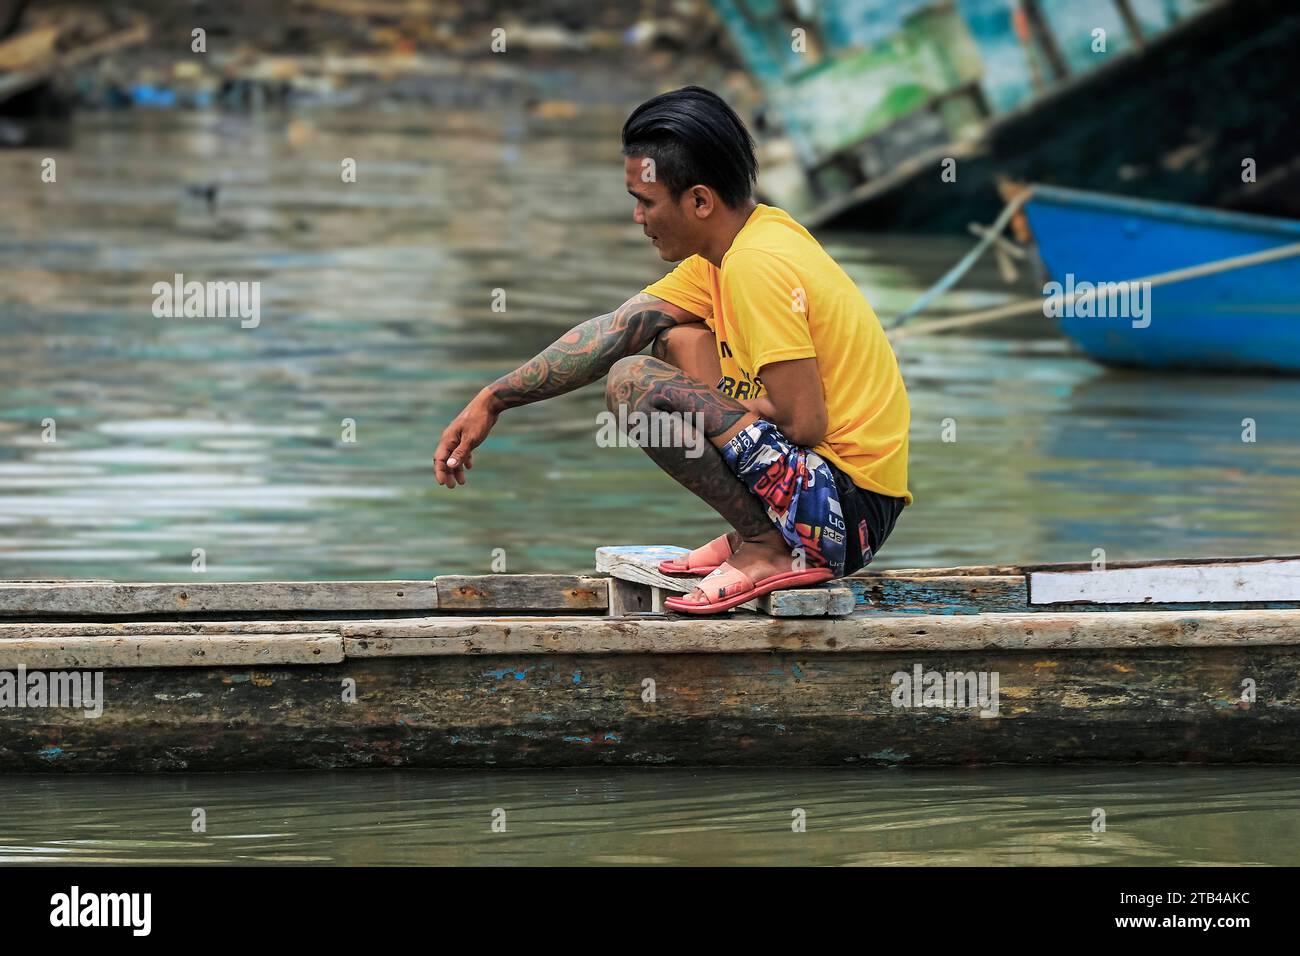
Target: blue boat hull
1244 320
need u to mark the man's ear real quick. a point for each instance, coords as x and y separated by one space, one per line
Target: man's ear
702 200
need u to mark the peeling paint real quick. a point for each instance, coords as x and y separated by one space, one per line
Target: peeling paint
504 672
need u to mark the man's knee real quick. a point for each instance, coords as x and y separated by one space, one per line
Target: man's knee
623 374
628 367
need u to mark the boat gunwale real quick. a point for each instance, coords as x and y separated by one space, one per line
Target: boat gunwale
126 646
1183 213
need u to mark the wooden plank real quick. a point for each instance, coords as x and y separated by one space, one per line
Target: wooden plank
523 592
1001 570
976 594
628 597
170 650
861 633
133 628
823 601
982 570
28 599
935 594
640 563
1165 562
1204 583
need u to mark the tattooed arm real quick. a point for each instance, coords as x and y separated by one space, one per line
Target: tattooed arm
585 353
580 356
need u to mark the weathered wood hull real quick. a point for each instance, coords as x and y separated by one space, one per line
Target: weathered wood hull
742 709
461 672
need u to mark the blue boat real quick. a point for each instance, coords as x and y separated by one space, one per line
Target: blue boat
1246 319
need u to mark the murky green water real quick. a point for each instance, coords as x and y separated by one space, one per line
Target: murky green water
376 299
989 817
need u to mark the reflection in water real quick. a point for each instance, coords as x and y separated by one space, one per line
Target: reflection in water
377 307
989 817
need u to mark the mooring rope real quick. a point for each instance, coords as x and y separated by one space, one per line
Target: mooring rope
1030 306
953 275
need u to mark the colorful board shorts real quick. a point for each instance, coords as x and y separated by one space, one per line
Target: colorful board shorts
798 488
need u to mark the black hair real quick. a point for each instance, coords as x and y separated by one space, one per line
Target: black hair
694 138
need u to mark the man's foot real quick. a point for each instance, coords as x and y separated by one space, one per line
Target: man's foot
703 560
758 560
729 587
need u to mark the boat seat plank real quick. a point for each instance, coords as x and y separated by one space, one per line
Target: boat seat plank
1203 583
861 633
521 592
935 594
170 650
109 599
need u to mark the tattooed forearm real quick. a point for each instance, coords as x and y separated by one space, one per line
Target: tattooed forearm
584 353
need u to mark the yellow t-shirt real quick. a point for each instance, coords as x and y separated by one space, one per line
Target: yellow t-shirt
779 296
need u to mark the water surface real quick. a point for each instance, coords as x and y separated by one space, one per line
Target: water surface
987 817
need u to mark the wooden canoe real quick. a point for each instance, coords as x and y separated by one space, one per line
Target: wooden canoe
1160 661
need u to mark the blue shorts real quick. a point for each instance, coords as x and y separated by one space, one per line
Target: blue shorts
817 508
797 487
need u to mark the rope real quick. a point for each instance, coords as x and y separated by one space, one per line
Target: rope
1030 306
953 275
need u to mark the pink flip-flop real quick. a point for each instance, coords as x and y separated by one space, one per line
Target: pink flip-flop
728 587
703 560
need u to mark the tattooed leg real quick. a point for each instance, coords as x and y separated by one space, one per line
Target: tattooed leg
645 384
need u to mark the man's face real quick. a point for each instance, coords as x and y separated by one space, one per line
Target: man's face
668 222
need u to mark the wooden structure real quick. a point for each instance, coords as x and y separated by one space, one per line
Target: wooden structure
1187 661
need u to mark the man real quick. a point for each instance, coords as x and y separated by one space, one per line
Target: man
761 341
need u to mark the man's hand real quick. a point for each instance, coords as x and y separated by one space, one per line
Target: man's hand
465 433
